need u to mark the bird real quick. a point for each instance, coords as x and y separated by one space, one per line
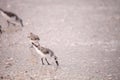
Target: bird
11 18
44 52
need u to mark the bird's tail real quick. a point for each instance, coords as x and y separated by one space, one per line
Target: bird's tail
19 20
56 60
55 57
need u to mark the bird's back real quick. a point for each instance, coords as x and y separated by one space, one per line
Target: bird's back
44 50
9 14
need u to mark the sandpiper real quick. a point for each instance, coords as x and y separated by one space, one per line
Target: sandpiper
44 52
11 18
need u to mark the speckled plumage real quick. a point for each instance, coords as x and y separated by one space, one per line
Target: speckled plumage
33 37
44 52
11 17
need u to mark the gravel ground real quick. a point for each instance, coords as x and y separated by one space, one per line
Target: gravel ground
84 34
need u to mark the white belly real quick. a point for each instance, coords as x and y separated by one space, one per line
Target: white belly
12 20
39 51
5 16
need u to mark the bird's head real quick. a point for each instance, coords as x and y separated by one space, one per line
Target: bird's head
33 37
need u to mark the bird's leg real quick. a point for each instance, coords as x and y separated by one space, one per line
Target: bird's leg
13 24
0 29
56 61
8 23
47 61
21 22
42 61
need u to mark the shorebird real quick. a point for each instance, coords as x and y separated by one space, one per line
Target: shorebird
44 52
11 18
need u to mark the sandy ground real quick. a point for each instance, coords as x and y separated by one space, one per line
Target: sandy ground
84 34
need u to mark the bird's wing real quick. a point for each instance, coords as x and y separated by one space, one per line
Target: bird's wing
44 50
10 14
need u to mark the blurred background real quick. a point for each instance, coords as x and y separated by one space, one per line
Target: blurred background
84 35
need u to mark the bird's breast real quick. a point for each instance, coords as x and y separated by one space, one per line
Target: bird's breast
39 51
5 15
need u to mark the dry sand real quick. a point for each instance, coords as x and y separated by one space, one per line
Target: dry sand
84 34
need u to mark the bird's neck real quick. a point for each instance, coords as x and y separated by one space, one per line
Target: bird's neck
36 44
